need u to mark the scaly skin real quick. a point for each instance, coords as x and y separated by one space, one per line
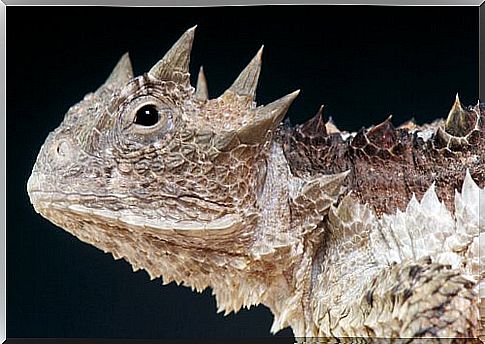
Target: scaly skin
324 227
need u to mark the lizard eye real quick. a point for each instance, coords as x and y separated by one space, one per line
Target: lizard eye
147 116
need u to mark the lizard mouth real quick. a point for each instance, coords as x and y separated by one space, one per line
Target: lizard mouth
75 216
56 204
124 218
43 195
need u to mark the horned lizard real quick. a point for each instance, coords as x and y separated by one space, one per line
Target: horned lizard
367 234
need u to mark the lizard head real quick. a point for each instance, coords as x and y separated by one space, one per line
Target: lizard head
154 152
192 189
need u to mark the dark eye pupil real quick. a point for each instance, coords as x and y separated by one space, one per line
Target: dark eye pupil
147 115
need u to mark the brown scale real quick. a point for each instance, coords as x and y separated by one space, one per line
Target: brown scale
389 164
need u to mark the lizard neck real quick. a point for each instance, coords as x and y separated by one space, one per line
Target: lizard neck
275 268
272 269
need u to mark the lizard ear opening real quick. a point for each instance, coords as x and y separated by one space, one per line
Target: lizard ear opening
174 66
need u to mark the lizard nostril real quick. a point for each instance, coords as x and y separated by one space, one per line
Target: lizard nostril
63 148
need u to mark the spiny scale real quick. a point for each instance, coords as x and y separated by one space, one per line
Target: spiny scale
384 134
331 127
316 125
459 122
387 163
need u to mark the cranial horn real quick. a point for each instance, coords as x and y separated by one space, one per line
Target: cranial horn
201 90
264 119
122 72
247 82
267 117
174 65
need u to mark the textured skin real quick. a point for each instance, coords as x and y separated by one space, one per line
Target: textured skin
369 234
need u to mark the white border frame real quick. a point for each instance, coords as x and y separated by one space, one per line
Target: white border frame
145 3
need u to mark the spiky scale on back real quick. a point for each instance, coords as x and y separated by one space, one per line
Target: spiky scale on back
390 164
322 226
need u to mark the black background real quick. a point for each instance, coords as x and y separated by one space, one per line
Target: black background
363 63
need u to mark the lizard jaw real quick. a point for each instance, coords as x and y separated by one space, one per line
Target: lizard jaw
51 210
53 203
228 222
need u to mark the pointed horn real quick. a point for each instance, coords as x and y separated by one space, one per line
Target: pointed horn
247 82
330 126
454 118
121 73
174 65
316 125
202 92
360 139
459 121
477 107
455 113
267 118
383 134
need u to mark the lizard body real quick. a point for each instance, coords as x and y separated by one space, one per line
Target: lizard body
367 234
